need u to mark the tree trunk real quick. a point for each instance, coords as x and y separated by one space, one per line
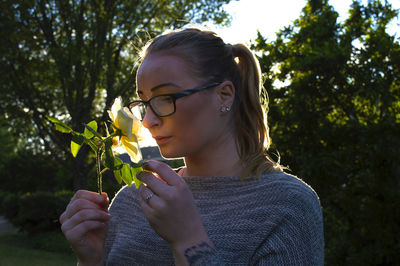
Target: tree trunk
80 169
80 178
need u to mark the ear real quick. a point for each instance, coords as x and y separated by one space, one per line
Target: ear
225 93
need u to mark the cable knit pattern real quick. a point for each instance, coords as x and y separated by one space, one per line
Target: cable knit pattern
275 220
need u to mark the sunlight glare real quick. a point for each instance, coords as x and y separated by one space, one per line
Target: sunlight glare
269 17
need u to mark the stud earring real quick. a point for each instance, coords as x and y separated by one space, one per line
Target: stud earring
225 109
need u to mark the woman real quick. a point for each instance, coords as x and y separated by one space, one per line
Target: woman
231 204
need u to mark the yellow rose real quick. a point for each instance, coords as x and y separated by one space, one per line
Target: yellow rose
132 148
124 120
130 127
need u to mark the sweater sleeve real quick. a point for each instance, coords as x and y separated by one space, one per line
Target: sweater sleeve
296 237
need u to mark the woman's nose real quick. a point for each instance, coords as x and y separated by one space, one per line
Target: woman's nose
150 119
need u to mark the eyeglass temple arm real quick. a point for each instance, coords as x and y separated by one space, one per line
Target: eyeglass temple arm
190 91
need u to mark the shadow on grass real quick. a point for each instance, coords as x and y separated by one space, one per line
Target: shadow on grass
42 249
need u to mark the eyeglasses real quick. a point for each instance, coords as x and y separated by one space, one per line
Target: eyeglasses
164 105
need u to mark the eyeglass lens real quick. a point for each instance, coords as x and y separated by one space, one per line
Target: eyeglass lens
161 105
138 110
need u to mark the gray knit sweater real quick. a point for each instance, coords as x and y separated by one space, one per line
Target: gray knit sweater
275 220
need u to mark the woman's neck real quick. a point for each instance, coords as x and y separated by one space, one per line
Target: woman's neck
217 159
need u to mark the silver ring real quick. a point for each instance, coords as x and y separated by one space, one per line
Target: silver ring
148 197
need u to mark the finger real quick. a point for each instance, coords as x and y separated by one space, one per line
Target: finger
62 218
148 198
164 171
91 196
154 183
76 233
146 194
101 200
85 215
145 204
78 205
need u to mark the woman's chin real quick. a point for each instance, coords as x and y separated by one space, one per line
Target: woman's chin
169 154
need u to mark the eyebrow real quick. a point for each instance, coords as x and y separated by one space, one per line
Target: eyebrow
169 84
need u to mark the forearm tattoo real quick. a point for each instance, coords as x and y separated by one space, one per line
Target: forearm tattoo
197 254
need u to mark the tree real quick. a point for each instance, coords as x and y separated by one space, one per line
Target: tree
335 105
71 59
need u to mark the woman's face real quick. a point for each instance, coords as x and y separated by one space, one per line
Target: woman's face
196 123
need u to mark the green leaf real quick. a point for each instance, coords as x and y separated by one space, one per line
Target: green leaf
118 172
76 143
60 126
126 174
107 132
138 164
118 163
92 144
94 132
88 133
135 171
118 176
109 162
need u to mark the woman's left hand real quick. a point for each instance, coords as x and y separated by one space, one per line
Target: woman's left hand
168 205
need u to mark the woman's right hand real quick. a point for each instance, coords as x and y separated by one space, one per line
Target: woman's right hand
84 224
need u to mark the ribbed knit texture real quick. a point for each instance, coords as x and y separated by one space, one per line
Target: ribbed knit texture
275 220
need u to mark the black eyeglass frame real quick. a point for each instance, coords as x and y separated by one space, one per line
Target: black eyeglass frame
174 97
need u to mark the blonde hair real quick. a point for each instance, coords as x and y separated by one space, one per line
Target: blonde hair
213 60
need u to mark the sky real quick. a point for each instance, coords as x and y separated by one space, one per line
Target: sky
271 16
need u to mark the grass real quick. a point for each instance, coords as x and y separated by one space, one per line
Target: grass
44 249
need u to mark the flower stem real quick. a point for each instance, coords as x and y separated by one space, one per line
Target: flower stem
99 172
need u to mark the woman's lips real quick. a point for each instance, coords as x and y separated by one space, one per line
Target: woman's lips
161 140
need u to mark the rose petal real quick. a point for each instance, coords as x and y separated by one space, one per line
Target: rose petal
132 148
117 105
124 123
137 125
110 114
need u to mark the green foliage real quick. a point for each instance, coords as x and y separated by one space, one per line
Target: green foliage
7 147
102 146
334 117
70 60
90 130
76 143
3 195
60 126
111 162
176 163
36 212
9 205
26 172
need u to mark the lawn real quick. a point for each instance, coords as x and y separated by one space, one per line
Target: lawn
45 249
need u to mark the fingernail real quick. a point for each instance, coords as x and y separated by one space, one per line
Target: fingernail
101 199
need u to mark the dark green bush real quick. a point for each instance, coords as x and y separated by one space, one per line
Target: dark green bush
176 163
3 195
9 205
36 212
26 172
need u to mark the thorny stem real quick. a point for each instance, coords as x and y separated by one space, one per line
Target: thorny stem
99 152
99 172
